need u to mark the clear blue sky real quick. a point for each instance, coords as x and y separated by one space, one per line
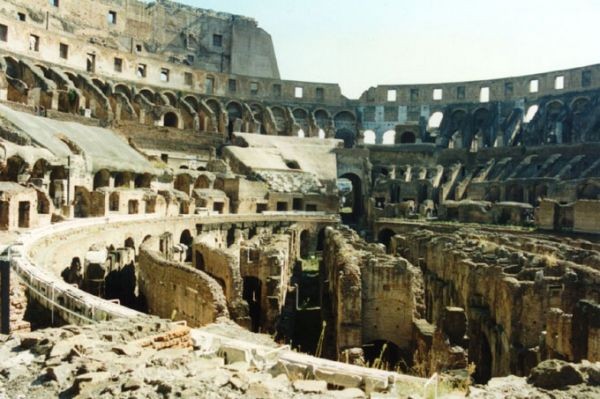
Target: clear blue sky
359 43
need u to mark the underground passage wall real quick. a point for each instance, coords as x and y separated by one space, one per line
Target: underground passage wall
172 290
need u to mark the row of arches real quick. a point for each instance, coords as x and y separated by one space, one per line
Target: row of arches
313 123
390 137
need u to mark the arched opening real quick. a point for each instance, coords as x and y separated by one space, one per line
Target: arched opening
280 119
234 113
252 295
369 137
171 98
382 354
230 236
345 126
82 202
101 179
57 189
40 167
457 119
73 274
301 117
435 120
389 137
15 166
13 68
347 136
530 114
123 89
129 243
120 281
553 110
43 203
99 84
186 239
352 206
580 105
214 105
323 119
170 119
183 183
122 179
305 244
385 237
148 95
184 206
202 182
481 119
193 101
408 137
113 201
143 180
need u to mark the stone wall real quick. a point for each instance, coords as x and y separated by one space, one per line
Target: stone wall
369 296
18 305
161 27
266 258
585 216
176 291
212 255
507 285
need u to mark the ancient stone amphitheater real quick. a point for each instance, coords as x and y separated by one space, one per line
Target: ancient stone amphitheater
178 221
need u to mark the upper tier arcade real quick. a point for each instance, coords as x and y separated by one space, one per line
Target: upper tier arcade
168 64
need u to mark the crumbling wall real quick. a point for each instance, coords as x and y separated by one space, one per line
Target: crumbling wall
266 258
373 296
507 286
223 264
342 292
173 290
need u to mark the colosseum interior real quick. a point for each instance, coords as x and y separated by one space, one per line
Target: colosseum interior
179 221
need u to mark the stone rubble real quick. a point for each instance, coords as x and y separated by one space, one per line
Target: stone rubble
152 358
135 359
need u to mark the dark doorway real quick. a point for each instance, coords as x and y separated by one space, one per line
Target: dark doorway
252 290
483 371
200 265
408 138
305 244
382 354
24 213
348 137
4 208
352 207
171 120
321 239
187 240
385 238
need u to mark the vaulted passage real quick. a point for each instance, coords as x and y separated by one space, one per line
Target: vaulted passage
352 206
